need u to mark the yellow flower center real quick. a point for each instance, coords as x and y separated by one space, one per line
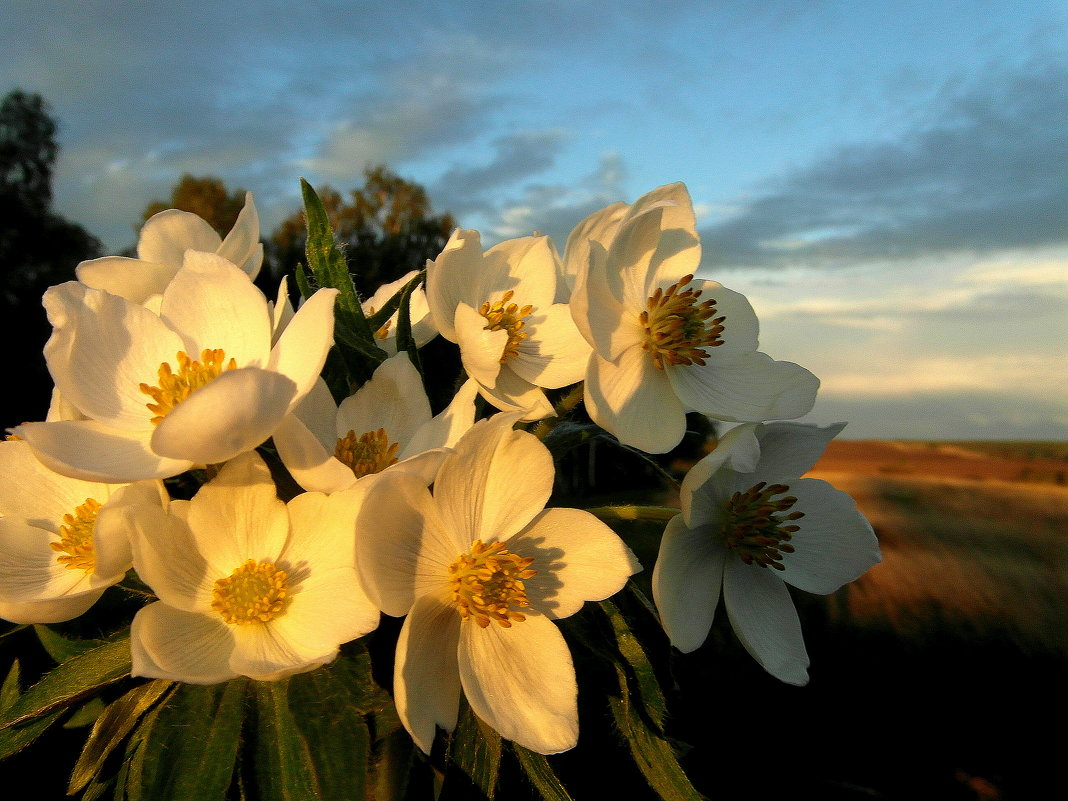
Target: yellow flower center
367 453
678 328
76 538
257 592
502 315
758 526
174 387
487 582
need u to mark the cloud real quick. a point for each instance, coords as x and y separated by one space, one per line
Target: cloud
988 173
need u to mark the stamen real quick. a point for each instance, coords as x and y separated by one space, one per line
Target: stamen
76 538
758 527
504 316
367 453
487 581
254 593
174 387
678 328
383 331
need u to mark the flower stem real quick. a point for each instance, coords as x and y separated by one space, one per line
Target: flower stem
561 409
629 512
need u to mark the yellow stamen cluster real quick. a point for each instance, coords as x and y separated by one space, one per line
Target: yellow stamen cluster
174 387
367 453
678 328
502 315
257 592
382 332
758 527
76 538
487 582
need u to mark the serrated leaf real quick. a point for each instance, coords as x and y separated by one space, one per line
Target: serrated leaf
651 695
185 749
541 774
475 749
85 715
336 735
405 340
111 727
283 768
651 752
62 648
77 678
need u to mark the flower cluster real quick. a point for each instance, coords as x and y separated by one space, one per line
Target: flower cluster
316 509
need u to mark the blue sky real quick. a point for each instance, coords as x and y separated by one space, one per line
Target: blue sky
886 181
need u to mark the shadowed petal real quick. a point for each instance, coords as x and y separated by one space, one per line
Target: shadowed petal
687 580
167 643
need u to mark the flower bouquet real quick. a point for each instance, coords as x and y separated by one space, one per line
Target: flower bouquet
297 578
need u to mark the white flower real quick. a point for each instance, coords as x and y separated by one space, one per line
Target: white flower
500 308
423 329
63 541
161 247
665 344
749 526
482 569
385 425
197 383
248 585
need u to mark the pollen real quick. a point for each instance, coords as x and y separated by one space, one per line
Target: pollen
487 582
75 544
257 592
759 526
173 388
503 315
367 453
679 327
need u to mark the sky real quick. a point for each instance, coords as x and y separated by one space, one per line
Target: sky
887 182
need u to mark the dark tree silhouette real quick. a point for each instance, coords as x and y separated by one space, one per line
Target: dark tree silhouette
38 248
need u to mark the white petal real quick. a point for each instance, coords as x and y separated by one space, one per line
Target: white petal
403 550
56 610
426 680
634 400
752 388
789 450
709 484
521 681
393 399
741 328
91 451
166 236
132 279
318 412
601 227
167 643
234 413
332 610
261 652
237 515
449 279
213 304
29 569
599 315
511 393
494 482
763 617
554 354
301 350
578 559
242 245
312 466
687 580
167 559
835 543
30 491
527 265
446 428
480 350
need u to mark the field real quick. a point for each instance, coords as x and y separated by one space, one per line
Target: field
944 664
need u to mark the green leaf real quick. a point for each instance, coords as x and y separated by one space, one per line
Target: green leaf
15 738
541 774
337 738
77 678
651 752
62 648
652 697
9 691
284 768
86 714
185 749
111 727
475 749
405 340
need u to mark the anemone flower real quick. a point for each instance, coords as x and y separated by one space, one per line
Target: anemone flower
482 569
665 344
749 527
197 383
247 585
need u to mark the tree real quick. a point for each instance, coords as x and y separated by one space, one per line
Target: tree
38 248
207 197
387 229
